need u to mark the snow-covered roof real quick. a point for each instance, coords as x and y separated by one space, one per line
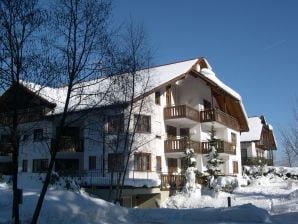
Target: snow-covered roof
255 129
157 76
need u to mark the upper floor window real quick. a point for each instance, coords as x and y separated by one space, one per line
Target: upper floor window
142 123
157 97
115 124
38 134
142 161
207 104
115 162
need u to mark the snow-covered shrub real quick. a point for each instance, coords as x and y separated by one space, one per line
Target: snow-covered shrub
227 183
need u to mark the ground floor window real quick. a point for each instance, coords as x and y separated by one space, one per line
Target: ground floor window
92 162
235 167
25 165
67 165
158 163
142 161
115 162
40 165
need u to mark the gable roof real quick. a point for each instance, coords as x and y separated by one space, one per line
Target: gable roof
158 77
256 125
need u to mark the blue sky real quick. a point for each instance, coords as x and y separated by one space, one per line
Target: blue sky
252 45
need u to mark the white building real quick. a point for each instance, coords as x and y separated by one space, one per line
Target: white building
181 103
258 144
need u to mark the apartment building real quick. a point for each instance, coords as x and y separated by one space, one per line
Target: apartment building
174 112
258 144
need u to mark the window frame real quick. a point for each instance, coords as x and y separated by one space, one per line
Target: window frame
235 167
142 123
142 161
115 124
25 165
158 164
40 165
157 97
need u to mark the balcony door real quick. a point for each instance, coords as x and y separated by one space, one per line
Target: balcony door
169 95
171 131
172 165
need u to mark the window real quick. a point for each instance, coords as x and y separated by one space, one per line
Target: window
38 134
142 161
92 162
40 165
115 162
143 123
25 166
207 104
158 163
157 98
115 124
235 167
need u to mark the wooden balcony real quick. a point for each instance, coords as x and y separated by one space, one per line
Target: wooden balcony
181 111
254 161
6 149
215 115
68 144
172 182
180 144
222 147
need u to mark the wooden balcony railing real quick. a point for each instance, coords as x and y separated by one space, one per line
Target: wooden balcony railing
181 111
68 144
254 161
6 149
180 144
222 147
172 182
219 116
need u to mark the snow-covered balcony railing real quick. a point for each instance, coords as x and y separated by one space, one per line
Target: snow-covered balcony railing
180 144
250 161
211 115
176 181
68 144
181 111
6 149
221 146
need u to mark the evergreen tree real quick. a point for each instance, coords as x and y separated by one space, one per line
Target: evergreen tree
213 161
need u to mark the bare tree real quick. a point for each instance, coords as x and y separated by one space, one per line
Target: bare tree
82 47
136 58
20 59
289 137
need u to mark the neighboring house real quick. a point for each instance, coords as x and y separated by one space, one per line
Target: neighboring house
258 144
183 101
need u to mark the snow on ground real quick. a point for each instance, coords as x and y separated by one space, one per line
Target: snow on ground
267 199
